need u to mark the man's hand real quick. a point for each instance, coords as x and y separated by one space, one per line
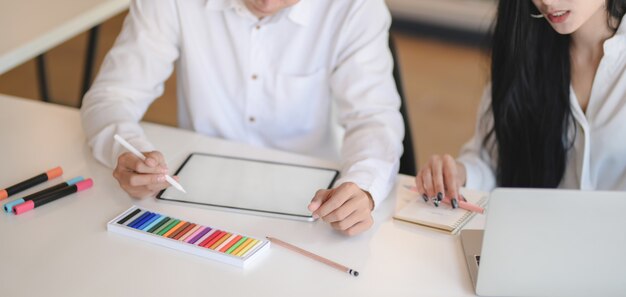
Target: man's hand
141 179
347 208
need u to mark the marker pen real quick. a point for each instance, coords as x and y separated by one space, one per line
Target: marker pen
8 207
31 182
28 205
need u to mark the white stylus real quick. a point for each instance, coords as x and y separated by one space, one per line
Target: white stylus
139 155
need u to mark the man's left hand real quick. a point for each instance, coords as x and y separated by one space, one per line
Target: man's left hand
347 208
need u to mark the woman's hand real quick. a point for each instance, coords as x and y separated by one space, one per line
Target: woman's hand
442 175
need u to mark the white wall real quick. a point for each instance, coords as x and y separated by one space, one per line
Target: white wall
475 15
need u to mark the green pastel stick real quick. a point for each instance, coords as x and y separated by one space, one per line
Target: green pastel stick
167 222
232 248
170 226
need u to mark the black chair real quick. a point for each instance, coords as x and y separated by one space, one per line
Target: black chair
407 161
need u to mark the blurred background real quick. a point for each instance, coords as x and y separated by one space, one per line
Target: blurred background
441 55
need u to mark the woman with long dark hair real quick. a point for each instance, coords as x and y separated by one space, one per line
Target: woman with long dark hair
554 115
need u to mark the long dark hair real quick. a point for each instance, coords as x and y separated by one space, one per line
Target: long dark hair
531 75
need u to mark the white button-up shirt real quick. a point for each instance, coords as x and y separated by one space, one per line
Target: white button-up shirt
597 160
316 78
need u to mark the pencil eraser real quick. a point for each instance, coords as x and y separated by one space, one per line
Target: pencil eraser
84 185
24 207
8 207
75 180
3 194
54 173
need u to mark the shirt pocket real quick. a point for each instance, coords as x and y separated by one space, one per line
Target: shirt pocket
302 101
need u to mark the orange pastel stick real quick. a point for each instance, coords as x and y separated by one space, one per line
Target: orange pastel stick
247 248
230 243
169 232
183 231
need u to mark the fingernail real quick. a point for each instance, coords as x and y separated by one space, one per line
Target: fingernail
161 178
455 203
150 162
315 216
436 202
425 198
439 196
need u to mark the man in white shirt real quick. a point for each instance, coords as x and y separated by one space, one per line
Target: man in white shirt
308 76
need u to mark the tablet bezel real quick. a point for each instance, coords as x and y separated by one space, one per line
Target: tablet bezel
248 210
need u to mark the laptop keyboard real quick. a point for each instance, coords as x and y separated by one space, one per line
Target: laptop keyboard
477 258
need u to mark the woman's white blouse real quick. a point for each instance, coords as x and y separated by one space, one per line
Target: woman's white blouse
597 160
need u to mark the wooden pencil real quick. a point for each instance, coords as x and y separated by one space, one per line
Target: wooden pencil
313 256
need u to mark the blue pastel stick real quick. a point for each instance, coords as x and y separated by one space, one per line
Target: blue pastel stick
156 221
8 207
149 221
138 219
139 223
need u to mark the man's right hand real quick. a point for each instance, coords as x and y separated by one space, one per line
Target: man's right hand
141 179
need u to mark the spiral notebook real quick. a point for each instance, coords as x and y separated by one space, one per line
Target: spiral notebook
443 218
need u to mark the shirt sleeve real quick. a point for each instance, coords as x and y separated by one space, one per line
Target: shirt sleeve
132 76
367 99
479 160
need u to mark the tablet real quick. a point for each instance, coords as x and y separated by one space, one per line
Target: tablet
250 186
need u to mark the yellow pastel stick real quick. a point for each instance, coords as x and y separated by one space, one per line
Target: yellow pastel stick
217 243
168 233
243 245
247 248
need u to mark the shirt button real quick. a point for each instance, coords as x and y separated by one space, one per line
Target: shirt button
251 119
254 77
258 27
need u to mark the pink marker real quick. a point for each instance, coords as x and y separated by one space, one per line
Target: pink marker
39 201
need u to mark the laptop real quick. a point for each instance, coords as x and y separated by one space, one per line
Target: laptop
540 242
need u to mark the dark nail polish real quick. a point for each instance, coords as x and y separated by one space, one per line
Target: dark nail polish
455 203
463 198
439 196
436 202
425 197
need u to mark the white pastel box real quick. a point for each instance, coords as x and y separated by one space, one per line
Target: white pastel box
208 242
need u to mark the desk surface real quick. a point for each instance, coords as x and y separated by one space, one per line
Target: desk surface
31 27
64 249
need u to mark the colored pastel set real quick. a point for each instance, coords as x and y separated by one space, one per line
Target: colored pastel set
209 242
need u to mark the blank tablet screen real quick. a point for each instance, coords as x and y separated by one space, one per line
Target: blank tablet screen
249 185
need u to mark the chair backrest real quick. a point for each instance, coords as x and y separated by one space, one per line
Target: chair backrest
407 161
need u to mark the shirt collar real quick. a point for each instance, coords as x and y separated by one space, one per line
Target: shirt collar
300 13
617 43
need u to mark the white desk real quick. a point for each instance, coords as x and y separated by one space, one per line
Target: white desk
63 248
29 28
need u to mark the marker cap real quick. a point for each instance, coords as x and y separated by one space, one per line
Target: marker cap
24 207
84 185
55 172
75 180
8 207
